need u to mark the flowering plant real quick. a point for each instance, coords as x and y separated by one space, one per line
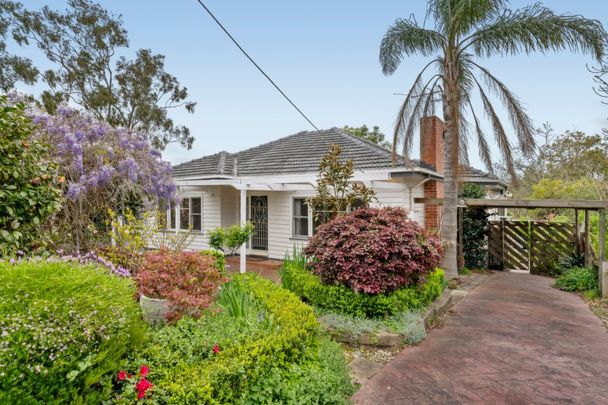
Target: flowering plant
101 167
137 385
188 280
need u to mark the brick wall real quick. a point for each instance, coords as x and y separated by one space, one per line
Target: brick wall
431 152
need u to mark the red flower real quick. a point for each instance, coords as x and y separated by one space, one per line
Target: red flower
122 375
141 394
143 371
143 385
129 375
216 348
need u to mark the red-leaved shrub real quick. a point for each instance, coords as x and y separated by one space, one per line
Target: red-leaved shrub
188 280
373 251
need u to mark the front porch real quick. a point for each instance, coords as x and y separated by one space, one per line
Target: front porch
263 266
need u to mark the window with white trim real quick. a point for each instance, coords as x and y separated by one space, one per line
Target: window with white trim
190 214
300 218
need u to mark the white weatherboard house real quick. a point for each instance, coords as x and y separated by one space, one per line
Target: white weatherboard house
268 185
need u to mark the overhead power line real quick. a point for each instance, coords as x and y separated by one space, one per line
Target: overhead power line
255 64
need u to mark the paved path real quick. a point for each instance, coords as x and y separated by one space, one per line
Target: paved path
515 340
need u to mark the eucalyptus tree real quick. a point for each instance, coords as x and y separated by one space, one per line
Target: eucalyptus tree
464 32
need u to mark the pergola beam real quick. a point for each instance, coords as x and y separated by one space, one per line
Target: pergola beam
563 204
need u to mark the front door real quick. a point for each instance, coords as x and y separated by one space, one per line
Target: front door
259 217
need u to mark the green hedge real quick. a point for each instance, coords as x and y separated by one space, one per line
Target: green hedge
342 299
65 330
227 376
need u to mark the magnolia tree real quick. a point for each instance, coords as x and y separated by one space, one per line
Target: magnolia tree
104 168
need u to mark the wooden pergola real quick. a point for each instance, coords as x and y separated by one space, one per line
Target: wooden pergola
576 205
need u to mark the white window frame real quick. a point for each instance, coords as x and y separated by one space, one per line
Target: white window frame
292 217
177 212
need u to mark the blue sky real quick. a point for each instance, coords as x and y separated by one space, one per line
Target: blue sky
324 54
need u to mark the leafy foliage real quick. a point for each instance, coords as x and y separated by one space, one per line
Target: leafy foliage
409 324
13 68
335 191
373 251
103 167
64 327
29 186
188 280
220 259
341 299
579 279
81 43
373 136
187 370
475 229
232 238
465 31
323 379
236 300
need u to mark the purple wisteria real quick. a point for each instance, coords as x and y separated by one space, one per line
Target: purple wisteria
94 155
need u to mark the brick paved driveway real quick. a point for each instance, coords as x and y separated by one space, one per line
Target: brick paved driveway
513 340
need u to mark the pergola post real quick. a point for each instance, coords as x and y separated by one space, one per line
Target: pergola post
602 268
243 252
460 260
587 251
577 239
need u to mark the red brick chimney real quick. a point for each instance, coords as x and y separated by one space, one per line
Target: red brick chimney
431 153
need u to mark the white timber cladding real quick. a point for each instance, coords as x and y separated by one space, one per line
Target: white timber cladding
221 205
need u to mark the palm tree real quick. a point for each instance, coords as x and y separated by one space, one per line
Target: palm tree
464 32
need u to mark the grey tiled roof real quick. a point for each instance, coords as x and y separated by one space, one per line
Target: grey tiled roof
297 153
472 175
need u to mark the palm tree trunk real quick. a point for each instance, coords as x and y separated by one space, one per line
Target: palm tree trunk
449 219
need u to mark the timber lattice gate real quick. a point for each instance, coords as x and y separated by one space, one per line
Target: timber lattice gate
536 246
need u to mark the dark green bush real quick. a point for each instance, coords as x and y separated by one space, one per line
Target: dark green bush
475 229
65 330
342 299
578 279
284 344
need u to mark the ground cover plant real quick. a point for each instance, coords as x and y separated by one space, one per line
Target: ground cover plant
409 324
579 279
65 328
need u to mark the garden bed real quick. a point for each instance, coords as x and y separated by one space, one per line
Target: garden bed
257 343
384 320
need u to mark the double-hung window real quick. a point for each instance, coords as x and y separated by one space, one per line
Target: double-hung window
190 214
300 218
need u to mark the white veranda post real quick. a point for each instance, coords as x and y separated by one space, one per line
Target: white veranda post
243 253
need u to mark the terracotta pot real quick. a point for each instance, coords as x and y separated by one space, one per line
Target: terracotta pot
154 310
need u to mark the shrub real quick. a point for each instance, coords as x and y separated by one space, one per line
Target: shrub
232 238
29 187
324 379
64 326
338 298
188 280
187 370
373 251
578 279
475 229
220 258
